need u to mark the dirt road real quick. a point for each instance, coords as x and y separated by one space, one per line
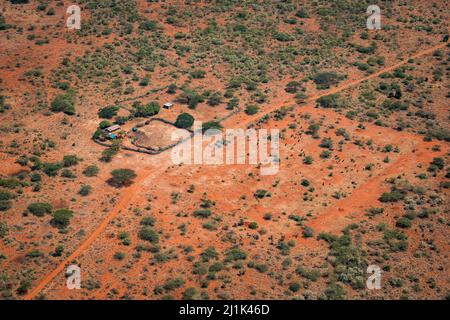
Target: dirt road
347 85
142 175
121 205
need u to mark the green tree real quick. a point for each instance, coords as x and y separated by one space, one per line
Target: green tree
70 160
91 171
184 121
147 110
251 109
122 177
61 218
149 235
85 190
64 103
108 112
324 80
211 125
39 209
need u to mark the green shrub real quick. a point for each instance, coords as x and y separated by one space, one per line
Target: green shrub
149 235
251 109
5 205
294 287
211 125
34 254
307 232
262 268
173 284
216 267
293 87
325 154
104 124
190 97
148 25
64 103
326 143
374 211
9 183
324 80
58 251
396 240
233 103
208 254
5 195
253 225
403 223
308 160
35 177
235 254
334 291
108 112
261 193
148 221
66 173
202 213
215 99
302 13
438 163
85 190
70 160
39 209
394 195
119 256
122 177
197 74
189 294
147 110
329 101
172 88
109 153
91 171
3 229
51 169
184 121
61 218
309 274
283 37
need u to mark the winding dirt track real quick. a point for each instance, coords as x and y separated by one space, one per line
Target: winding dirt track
143 174
353 207
127 194
353 83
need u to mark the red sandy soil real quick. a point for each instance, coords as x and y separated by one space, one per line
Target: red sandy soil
331 220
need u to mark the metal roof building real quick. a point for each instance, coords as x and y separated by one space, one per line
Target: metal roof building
113 128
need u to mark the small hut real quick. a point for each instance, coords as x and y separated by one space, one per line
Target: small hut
168 105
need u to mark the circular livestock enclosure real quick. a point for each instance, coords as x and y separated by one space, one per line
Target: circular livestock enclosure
151 136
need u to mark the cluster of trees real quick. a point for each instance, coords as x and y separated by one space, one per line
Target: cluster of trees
146 110
5 203
121 177
108 112
324 80
329 101
64 103
190 97
61 217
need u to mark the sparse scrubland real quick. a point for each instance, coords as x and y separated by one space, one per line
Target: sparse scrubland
364 165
